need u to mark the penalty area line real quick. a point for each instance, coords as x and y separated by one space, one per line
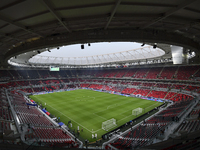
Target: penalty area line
100 116
131 114
73 120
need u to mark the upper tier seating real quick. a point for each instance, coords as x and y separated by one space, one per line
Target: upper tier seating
141 73
5 74
62 73
23 74
121 73
43 73
112 73
130 73
185 72
14 74
168 72
153 73
197 75
54 74
33 74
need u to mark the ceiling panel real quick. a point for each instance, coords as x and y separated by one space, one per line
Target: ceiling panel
26 8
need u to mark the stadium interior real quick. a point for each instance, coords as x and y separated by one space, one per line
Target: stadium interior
31 27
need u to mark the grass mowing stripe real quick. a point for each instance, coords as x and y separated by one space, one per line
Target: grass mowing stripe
68 117
88 109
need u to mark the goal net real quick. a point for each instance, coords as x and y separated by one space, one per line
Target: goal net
137 111
108 124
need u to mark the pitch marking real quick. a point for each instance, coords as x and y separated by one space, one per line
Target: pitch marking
100 116
73 120
131 114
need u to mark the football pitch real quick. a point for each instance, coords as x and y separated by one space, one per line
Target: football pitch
88 109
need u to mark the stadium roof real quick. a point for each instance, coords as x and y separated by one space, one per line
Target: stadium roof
103 54
31 25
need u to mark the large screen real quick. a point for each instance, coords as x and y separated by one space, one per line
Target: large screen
53 68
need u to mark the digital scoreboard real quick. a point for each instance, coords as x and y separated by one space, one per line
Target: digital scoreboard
54 68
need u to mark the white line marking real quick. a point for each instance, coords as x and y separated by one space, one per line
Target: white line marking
124 118
72 119
152 105
100 116
125 112
131 114
97 112
115 105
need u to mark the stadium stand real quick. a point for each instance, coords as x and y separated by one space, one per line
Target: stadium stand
121 73
153 73
141 73
162 65
130 72
33 74
128 90
186 72
143 92
168 73
143 134
157 94
140 136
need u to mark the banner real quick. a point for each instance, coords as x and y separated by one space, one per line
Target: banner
31 104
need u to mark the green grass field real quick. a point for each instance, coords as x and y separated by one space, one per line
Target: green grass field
88 109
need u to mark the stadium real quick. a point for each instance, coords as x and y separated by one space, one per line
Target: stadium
99 74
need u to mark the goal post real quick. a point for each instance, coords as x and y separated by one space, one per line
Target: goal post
137 111
108 124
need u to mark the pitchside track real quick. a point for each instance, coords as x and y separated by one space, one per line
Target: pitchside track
88 109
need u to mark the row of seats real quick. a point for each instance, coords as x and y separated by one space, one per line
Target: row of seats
195 88
28 114
176 72
5 113
43 129
144 133
33 120
189 126
50 133
5 125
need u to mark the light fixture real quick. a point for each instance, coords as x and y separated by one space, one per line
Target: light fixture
155 46
189 51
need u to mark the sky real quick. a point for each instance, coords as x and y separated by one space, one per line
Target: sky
94 49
